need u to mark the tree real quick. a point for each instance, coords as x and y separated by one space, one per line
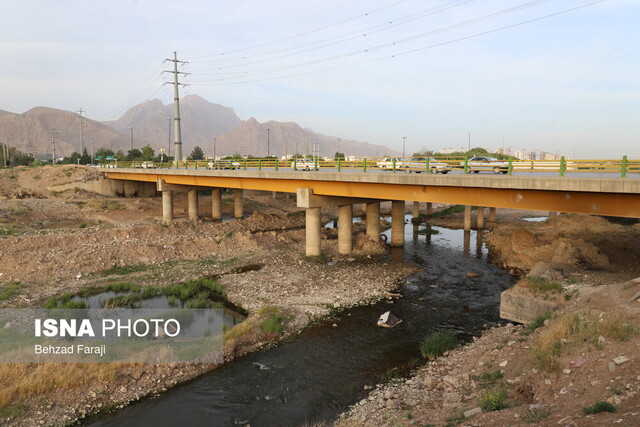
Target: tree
196 154
147 152
134 154
339 156
85 159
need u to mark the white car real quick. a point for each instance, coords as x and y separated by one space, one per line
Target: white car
223 164
303 164
485 163
388 163
419 164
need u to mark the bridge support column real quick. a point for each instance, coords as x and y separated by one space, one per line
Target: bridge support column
429 211
238 208
312 223
373 221
492 214
467 218
416 210
167 206
345 229
216 203
480 218
192 203
397 223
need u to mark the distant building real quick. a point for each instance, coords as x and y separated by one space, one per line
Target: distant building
447 150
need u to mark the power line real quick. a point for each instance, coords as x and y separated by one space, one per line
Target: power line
388 44
332 41
221 82
315 30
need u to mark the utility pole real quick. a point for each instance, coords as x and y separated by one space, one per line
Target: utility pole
92 151
81 131
54 134
131 131
177 141
404 140
339 141
214 148
469 149
268 142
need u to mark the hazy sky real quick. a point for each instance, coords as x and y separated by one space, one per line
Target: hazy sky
371 70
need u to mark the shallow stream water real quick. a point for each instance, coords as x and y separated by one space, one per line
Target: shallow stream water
324 369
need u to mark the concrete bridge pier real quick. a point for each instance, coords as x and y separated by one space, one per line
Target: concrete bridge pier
312 225
345 229
429 211
416 210
192 203
373 221
238 208
492 215
480 218
397 223
167 206
467 218
216 203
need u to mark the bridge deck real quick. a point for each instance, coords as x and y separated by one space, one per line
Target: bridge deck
598 196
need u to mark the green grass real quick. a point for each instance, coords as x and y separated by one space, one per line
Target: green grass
488 379
10 230
129 300
436 344
536 323
125 269
10 290
493 400
599 407
64 301
540 285
273 320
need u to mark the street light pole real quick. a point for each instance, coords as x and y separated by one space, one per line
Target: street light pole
214 148
404 140
131 129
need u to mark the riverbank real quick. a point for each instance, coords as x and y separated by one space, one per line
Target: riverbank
545 373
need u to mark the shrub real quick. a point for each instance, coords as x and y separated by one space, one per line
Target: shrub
493 401
436 344
599 407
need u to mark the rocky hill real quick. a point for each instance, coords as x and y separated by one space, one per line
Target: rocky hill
149 122
251 137
201 121
30 132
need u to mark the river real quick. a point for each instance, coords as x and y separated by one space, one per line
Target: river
317 375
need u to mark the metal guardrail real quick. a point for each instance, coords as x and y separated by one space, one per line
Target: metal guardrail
442 165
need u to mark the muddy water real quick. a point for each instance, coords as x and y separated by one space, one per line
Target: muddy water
323 370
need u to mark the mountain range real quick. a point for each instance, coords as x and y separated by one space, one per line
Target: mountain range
203 124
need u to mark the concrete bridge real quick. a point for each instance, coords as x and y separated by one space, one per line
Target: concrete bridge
314 190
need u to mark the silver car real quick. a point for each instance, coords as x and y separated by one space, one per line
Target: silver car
419 164
486 163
